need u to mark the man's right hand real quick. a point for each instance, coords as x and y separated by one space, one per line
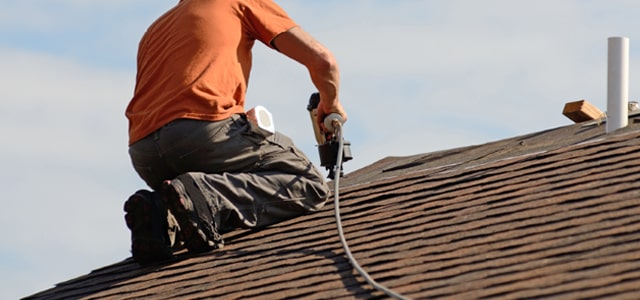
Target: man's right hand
324 111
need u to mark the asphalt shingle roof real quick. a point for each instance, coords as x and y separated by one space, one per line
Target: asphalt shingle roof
554 214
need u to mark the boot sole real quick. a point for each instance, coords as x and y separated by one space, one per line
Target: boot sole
147 245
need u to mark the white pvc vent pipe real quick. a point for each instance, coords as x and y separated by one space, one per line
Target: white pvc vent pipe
618 83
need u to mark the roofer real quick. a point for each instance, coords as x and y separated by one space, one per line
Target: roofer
211 169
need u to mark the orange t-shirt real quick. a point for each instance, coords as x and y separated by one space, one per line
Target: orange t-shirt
194 61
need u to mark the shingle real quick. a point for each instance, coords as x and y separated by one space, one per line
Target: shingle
554 214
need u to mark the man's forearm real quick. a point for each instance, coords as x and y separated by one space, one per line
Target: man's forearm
322 66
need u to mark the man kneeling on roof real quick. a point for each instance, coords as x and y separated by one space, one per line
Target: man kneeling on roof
211 170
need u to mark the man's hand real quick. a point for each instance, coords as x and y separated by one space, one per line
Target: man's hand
324 111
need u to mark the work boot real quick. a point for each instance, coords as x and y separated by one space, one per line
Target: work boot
146 217
197 227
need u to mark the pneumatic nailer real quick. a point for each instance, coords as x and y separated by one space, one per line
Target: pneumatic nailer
328 142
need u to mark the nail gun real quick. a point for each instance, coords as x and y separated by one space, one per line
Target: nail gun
328 142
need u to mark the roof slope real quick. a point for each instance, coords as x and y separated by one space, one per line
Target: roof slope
555 214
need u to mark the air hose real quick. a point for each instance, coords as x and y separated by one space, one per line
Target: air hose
337 132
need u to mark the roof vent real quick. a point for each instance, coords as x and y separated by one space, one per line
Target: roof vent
617 83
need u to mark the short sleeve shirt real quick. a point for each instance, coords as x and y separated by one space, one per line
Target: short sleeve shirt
194 61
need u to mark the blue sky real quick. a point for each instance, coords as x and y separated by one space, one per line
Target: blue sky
417 76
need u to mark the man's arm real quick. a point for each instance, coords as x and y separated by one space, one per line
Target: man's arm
323 68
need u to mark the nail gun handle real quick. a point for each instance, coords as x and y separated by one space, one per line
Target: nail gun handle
312 107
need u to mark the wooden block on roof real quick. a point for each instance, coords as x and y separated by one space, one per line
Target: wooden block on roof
581 111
